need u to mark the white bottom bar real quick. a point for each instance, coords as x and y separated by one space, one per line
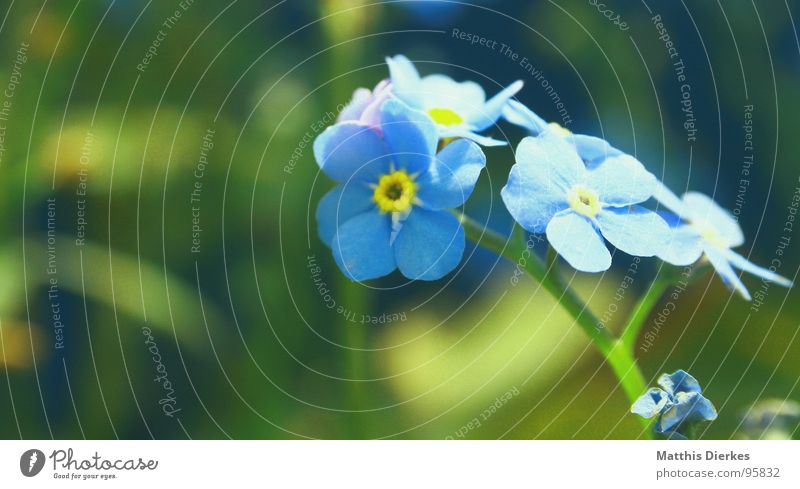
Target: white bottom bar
371 464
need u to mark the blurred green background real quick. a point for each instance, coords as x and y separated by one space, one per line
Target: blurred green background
129 332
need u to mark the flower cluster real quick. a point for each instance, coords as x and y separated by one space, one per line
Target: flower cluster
678 406
696 226
392 208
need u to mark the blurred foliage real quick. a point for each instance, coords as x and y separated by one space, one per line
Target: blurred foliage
250 347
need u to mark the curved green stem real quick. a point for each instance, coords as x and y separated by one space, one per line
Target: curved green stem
643 309
619 358
663 281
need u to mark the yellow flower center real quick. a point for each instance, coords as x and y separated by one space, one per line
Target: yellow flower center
559 129
395 192
445 117
710 234
583 200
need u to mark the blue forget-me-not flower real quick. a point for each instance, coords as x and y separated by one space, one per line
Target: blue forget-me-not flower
591 149
391 208
677 405
551 190
701 227
459 109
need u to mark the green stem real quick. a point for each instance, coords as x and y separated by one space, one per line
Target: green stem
664 280
620 360
643 309
354 336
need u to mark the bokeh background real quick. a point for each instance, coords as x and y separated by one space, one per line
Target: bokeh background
128 332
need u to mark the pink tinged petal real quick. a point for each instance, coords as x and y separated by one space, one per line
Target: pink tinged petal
429 245
635 230
353 110
365 105
578 242
372 112
361 246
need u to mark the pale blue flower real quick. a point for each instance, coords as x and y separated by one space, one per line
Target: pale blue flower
592 150
460 109
700 227
677 405
551 190
391 209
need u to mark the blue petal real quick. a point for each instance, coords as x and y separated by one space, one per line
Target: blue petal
742 263
691 407
537 187
410 134
676 414
723 268
592 149
684 246
621 180
558 159
405 80
575 238
339 205
704 410
348 150
464 132
361 246
651 403
668 199
429 244
452 176
520 115
702 208
672 220
493 108
680 381
353 110
635 230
